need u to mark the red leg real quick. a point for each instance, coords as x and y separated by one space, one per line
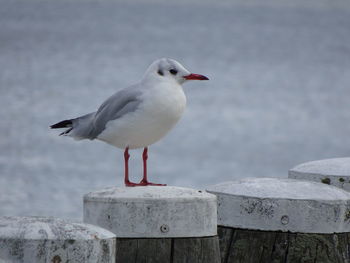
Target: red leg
144 180
126 168
144 158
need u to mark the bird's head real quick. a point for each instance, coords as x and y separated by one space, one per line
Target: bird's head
166 69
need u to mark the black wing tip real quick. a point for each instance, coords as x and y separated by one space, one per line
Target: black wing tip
66 132
62 124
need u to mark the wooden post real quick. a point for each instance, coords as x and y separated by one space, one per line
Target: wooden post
41 240
330 171
157 224
282 220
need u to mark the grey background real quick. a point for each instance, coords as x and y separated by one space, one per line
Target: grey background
278 93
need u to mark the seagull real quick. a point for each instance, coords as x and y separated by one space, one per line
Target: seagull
139 115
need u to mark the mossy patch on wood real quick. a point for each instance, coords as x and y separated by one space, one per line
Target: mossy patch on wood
326 180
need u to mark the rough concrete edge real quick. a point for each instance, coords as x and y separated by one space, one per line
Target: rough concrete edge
280 230
274 199
68 239
208 197
343 203
293 171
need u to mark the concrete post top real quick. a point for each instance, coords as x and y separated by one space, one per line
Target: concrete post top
329 171
332 167
44 228
280 188
282 204
148 193
152 211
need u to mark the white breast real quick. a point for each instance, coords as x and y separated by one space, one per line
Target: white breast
160 110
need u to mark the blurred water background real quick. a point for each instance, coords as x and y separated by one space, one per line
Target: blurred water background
278 93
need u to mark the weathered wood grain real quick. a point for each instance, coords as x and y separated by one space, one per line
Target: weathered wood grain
210 250
196 250
250 246
150 250
280 247
168 250
246 246
225 238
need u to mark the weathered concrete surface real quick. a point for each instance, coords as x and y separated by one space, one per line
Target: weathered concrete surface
38 240
282 204
152 212
334 171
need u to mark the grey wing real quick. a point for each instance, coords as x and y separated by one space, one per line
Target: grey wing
123 102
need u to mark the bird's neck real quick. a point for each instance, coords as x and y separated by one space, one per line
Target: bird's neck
153 81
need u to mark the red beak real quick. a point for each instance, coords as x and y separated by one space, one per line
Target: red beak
195 77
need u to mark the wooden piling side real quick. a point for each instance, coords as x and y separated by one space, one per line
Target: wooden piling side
168 250
244 246
273 220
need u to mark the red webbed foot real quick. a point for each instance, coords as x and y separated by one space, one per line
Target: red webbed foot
142 183
145 183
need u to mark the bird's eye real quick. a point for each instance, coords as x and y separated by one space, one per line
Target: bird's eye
160 73
173 71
